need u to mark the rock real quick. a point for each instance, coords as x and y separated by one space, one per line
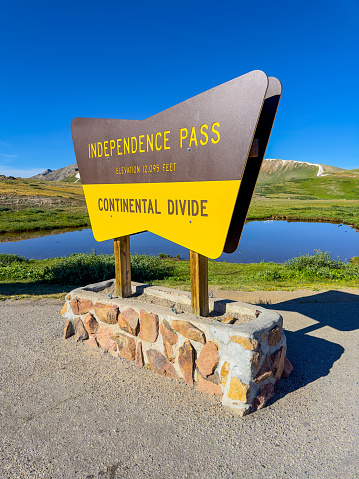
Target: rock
288 368
93 342
80 332
160 365
188 330
68 329
148 326
169 338
208 359
208 387
247 343
107 313
267 391
81 306
139 356
104 338
278 358
255 358
126 346
63 310
128 320
238 391
228 320
214 378
265 371
263 337
90 323
186 362
274 336
224 372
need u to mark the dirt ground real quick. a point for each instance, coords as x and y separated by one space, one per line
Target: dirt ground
67 411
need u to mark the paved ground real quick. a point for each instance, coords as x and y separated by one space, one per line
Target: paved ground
70 412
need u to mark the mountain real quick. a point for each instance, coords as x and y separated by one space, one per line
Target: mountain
272 171
67 172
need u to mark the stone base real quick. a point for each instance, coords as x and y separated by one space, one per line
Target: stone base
239 353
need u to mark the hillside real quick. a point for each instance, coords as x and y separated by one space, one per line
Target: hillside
272 171
37 205
67 172
284 179
288 190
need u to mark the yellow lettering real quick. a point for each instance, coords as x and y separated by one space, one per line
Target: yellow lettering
216 132
204 134
98 149
133 141
158 148
112 142
93 150
89 151
140 144
149 142
165 139
105 147
183 135
193 137
126 145
119 146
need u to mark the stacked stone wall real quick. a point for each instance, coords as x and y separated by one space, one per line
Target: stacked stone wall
241 362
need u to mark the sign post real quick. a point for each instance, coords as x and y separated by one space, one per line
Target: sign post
186 174
123 266
199 284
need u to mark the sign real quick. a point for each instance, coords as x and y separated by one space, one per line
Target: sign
185 174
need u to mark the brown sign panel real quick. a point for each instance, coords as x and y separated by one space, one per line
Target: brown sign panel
179 173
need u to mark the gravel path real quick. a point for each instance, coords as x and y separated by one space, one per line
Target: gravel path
68 411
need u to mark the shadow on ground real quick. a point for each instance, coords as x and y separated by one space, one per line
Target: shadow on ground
34 288
313 357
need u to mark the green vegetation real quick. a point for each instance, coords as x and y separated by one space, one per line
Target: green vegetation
291 192
323 187
37 205
339 211
21 277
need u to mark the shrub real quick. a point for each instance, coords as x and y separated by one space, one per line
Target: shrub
146 268
91 268
269 275
81 268
314 262
321 265
21 271
8 258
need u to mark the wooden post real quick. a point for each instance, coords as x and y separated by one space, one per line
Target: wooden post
199 284
123 266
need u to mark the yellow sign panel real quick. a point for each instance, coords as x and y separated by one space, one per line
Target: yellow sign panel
185 213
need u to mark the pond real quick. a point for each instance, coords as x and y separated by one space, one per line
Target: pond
275 241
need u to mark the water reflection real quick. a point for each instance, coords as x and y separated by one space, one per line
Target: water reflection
274 241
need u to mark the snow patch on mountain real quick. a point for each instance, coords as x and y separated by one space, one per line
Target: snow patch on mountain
320 167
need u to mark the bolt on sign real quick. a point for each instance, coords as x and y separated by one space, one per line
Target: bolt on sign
187 174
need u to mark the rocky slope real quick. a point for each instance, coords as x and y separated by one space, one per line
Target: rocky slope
58 175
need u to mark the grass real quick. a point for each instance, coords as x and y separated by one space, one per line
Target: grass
21 277
338 211
38 205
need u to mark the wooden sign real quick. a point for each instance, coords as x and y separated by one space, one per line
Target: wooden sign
185 174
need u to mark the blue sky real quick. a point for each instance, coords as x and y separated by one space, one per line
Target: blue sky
114 59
